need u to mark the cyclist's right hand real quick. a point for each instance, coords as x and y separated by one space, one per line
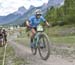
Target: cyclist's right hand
28 26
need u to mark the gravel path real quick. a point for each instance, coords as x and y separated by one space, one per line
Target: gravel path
59 55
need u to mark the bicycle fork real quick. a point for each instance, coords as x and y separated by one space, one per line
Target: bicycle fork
36 41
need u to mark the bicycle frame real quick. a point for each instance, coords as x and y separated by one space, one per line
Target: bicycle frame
36 38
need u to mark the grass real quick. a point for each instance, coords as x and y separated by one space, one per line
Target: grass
64 39
9 52
20 61
58 34
69 40
11 57
66 30
23 41
23 38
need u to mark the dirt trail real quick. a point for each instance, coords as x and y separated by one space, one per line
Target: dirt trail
25 53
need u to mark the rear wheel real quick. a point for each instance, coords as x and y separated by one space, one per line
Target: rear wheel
34 48
44 46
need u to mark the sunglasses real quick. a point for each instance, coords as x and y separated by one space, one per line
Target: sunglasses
38 14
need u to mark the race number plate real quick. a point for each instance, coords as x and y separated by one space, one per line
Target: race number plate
40 28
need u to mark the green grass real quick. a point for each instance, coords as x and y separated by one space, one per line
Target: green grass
10 56
66 30
64 39
9 52
20 61
23 40
58 34
69 40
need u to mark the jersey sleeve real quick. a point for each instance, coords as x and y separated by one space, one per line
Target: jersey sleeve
30 19
43 19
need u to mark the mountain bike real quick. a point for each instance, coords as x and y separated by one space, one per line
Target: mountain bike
42 43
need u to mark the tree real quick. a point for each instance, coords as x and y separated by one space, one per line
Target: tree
65 14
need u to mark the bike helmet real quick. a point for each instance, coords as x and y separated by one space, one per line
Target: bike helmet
38 12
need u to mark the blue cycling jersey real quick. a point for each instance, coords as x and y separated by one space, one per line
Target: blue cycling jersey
36 21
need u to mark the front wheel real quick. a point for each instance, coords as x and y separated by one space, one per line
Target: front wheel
44 46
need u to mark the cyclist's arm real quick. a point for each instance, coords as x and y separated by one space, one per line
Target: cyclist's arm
47 23
27 23
44 20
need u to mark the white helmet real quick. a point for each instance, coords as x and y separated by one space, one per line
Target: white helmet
38 11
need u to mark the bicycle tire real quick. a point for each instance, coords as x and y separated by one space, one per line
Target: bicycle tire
48 44
34 50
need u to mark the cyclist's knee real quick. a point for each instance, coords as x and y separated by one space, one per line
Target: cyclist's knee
33 31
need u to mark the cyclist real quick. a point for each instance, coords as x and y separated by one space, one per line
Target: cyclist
1 35
34 21
4 32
